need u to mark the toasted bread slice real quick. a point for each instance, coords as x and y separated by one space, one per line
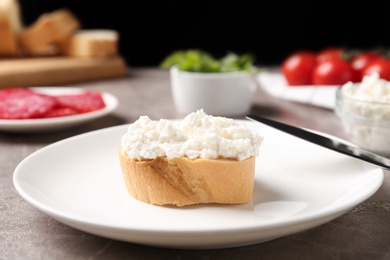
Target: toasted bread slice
182 181
44 35
91 43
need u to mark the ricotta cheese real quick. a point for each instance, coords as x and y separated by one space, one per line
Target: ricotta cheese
198 135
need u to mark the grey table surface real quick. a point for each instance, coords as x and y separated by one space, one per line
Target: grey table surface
27 233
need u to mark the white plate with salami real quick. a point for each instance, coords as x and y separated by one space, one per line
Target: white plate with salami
41 109
298 186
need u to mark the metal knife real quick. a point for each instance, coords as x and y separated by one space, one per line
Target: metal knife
327 142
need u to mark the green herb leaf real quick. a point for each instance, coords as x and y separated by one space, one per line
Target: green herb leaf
195 60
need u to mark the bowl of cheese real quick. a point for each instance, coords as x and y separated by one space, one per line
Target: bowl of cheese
364 110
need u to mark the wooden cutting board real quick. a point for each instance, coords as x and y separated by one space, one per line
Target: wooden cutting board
56 71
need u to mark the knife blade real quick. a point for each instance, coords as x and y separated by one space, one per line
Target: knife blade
337 145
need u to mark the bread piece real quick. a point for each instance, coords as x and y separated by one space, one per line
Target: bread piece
182 181
10 27
91 43
43 36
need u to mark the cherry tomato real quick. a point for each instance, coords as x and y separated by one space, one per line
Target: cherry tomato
297 68
360 61
328 53
381 66
334 71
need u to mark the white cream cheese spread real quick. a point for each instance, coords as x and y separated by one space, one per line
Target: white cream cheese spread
198 135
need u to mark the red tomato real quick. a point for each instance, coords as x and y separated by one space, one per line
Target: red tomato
334 71
297 68
328 53
381 66
360 61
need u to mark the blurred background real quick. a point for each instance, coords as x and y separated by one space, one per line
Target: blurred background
270 30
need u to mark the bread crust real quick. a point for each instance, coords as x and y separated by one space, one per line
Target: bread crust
182 181
10 27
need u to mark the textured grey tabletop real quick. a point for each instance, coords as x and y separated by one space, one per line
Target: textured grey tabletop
27 233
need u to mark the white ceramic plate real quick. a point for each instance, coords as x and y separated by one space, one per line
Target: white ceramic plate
298 186
49 124
275 84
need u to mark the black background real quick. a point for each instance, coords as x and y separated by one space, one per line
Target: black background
151 30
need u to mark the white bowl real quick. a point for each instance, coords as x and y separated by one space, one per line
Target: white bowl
228 94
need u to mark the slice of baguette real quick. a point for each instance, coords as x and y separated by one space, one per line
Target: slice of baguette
10 28
44 35
91 43
181 181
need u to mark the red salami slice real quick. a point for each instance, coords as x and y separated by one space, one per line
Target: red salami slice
23 103
85 102
19 103
5 93
61 111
